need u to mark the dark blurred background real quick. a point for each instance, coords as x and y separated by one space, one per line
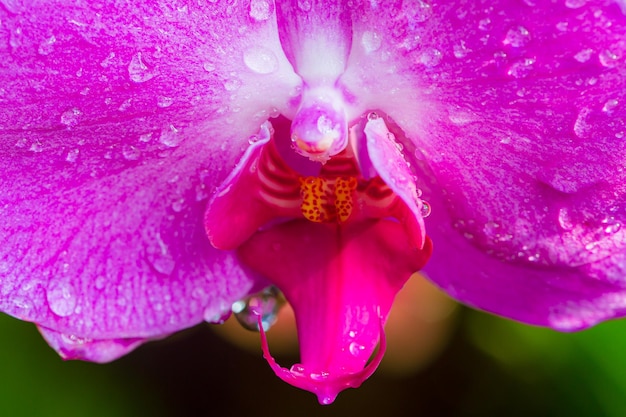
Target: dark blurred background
489 367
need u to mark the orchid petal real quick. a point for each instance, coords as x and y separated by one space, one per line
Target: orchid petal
111 139
100 351
521 143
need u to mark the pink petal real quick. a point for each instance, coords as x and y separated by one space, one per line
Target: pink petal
100 351
116 124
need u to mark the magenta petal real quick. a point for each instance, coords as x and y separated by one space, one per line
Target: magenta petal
525 149
390 163
93 350
117 122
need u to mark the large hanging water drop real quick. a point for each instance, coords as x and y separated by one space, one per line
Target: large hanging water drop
266 304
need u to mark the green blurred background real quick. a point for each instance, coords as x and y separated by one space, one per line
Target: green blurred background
491 367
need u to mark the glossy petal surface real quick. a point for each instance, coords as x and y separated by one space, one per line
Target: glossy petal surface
116 124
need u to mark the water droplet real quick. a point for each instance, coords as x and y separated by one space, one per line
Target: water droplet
608 58
72 155
266 303
461 117
356 349
164 101
297 369
372 116
581 126
138 71
516 37
170 137
371 41
260 60
564 219
47 46
208 67
610 105
420 11
125 105
260 10
484 24
611 225
70 118
431 57
521 68
232 84
178 205
36 146
575 4
21 143
100 282
584 55
61 298
22 302
425 210
460 50
145 137
304 5
130 153
108 60
160 257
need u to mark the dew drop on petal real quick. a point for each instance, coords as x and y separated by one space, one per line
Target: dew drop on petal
260 10
170 137
356 349
304 5
581 126
260 60
564 219
460 50
145 137
125 105
208 66
371 41
72 155
575 4
425 209
608 59
130 153
431 57
138 71
584 55
610 105
516 37
521 68
160 257
232 84
36 146
70 118
61 298
47 46
266 303
22 302
164 101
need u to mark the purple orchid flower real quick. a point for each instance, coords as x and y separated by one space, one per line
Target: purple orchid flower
162 160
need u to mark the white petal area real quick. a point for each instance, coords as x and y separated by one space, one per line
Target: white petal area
377 78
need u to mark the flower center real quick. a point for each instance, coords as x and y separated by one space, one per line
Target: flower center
337 242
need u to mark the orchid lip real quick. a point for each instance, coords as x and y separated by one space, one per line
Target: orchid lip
314 237
326 385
